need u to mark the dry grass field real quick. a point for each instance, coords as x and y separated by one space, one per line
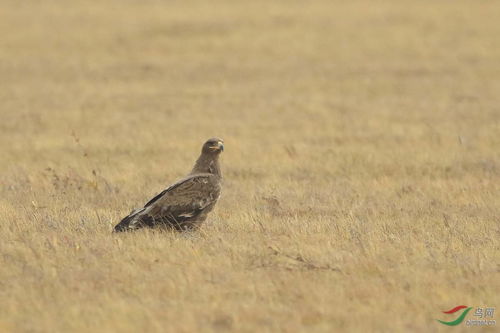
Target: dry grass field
361 169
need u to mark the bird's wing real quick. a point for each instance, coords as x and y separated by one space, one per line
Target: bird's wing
182 201
196 191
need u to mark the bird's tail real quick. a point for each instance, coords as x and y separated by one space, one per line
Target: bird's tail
135 220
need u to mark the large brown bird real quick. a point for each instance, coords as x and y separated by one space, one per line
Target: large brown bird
185 204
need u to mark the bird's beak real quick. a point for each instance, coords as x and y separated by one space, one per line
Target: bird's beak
219 147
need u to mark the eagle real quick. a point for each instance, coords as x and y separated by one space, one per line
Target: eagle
184 205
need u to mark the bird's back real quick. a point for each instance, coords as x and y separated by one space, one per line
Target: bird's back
182 206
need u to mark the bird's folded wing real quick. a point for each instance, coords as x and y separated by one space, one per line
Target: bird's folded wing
187 196
184 201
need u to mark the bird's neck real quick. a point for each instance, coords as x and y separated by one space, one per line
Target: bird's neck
207 164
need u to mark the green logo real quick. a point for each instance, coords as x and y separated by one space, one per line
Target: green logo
459 319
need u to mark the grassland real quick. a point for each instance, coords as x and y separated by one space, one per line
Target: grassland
362 164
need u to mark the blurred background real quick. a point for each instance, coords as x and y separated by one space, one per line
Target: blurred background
132 76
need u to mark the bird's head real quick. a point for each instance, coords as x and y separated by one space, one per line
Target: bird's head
213 146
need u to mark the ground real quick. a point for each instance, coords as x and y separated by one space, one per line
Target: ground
361 165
